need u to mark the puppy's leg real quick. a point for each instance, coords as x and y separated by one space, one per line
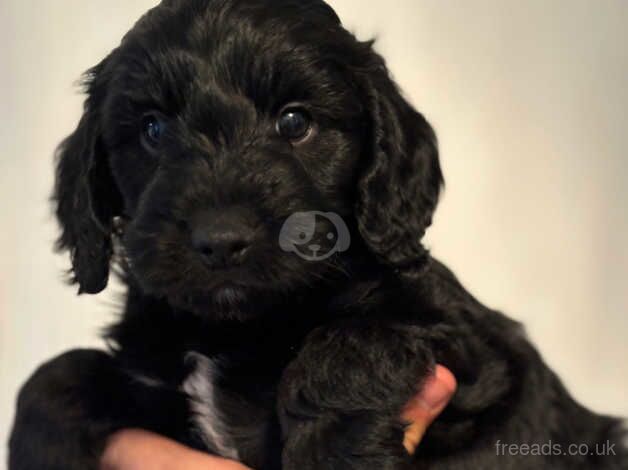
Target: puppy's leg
340 400
71 404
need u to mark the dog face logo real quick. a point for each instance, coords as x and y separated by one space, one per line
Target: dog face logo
299 235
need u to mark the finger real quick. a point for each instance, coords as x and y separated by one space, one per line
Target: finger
181 457
136 449
427 405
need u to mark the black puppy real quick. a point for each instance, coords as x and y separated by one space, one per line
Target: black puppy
263 187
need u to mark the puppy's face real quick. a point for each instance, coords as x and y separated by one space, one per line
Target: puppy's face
213 126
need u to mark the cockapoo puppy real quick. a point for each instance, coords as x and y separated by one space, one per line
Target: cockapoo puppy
262 187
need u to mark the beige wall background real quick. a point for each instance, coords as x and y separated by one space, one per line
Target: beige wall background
530 103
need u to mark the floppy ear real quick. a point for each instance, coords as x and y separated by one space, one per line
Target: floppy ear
85 195
400 183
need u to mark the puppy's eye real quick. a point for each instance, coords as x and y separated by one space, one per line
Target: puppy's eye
294 123
153 128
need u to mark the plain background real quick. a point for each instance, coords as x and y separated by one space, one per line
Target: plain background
529 100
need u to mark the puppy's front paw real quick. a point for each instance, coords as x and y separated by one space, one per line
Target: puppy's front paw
340 400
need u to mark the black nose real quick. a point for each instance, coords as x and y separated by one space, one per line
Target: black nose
223 238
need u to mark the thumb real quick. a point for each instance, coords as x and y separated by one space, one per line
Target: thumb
424 407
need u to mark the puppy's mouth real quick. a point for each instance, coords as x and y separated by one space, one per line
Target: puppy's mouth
226 299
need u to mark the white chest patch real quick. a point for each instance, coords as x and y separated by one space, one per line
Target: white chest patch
199 386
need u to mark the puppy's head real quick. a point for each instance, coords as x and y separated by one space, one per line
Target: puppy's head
213 125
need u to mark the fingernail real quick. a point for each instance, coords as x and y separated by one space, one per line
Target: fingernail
438 389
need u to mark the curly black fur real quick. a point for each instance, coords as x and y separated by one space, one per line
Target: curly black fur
306 365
